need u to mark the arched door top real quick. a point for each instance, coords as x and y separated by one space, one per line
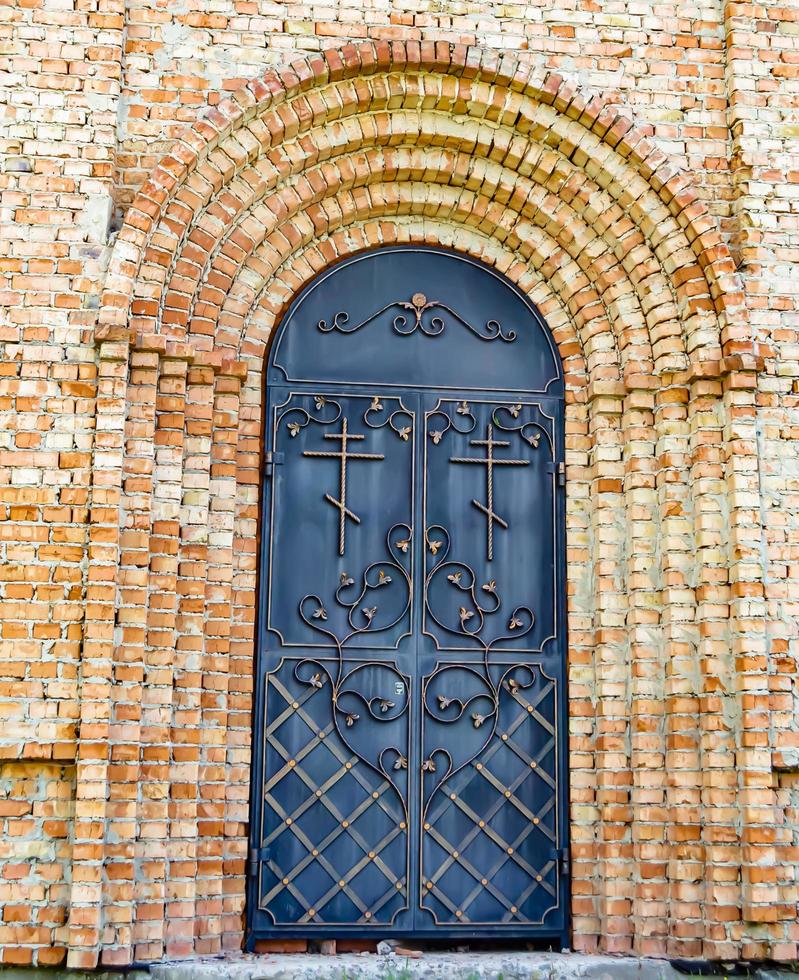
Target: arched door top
461 325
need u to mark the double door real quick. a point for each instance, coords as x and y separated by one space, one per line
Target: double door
409 745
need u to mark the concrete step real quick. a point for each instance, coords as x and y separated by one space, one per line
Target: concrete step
430 966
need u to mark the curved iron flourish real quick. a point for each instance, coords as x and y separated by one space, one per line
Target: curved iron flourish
473 615
433 326
362 616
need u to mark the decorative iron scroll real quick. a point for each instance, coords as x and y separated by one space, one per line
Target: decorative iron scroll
463 837
478 604
418 306
347 701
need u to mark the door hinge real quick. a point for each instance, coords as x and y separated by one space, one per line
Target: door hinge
564 861
258 855
271 460
559 469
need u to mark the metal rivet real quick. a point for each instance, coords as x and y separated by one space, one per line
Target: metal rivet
315 852
530 708
429 884
295 704
536 820
504 738
342 883
375 796
319 792
507 793
311 911
288 821
482 823
348 765
321 734
454 854
510 850
285 881
459 913
479 766
367 915
533 765
538 878
402 825
514 909
371 854
484 881
292 763
452 796
345 823
399 885
427 826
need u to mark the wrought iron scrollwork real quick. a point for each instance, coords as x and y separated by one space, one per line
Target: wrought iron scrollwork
478 604
511 421
431 326
296 417
444 422
400 420
361 614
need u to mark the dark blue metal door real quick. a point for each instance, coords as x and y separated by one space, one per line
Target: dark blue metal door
410 741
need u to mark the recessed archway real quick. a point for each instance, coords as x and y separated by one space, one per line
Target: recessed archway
381 144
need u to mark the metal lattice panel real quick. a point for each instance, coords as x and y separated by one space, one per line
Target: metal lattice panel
489 831
336 831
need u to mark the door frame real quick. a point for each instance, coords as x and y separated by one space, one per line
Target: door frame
356 931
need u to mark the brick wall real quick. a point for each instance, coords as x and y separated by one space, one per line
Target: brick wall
36 804
129 445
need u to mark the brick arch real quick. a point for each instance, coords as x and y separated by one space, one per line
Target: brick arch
367 145
588 162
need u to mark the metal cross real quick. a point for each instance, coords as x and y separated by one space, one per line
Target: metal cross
343 511
489 462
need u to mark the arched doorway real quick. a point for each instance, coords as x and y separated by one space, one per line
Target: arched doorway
409 765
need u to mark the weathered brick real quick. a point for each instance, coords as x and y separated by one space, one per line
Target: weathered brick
649 211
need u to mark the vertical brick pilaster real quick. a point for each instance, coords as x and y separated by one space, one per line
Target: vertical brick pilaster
187 730
96 671
614 866
749 644
130 633
647 553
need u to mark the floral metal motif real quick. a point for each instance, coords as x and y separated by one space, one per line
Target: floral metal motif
400 420
300 417
530 431
445 422
478 605
361 615
433 326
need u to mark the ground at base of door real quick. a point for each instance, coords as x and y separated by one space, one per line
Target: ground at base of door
509 965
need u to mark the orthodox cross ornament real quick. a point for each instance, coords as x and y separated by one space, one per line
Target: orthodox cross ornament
343 456
489 461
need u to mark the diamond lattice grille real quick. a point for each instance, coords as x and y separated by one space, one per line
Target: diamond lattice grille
488 825
339 827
